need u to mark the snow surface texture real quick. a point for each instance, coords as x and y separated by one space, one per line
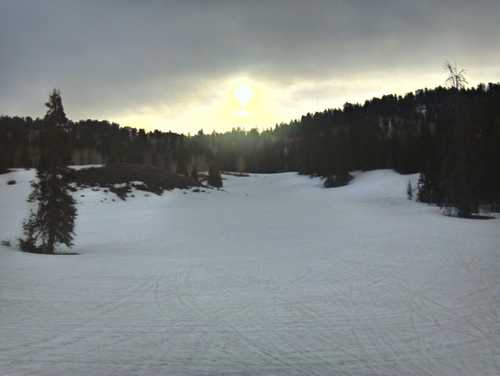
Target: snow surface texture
273 276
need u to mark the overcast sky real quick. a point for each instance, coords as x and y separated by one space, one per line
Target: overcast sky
182 65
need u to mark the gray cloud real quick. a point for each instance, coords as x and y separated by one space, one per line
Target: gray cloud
111 55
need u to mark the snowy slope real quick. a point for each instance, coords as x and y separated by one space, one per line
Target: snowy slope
273 276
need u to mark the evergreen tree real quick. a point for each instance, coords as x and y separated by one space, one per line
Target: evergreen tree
342 176
194 173
409 190
424 190
25 157
457 175
3 165
54 141
181 168
54 219
342 164
214 176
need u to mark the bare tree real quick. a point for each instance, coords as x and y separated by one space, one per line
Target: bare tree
456 79
456 76
457 173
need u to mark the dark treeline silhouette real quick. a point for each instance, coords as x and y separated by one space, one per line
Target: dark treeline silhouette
450 135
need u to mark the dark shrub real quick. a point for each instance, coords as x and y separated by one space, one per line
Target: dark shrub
333 181
119 178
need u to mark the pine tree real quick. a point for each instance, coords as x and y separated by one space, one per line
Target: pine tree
457 175
25 157
409 190
194 173
214 177
2 161
423 189
54 140
342 176
54 219
181 168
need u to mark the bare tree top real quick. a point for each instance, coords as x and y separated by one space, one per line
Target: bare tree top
456 76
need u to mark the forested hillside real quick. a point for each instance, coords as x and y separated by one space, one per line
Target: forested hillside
412 133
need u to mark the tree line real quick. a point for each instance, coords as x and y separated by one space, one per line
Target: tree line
449 134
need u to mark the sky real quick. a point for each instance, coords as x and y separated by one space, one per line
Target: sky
186 65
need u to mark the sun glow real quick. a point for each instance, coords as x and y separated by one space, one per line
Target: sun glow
240 101
243 94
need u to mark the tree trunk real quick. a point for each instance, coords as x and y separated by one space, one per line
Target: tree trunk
50 243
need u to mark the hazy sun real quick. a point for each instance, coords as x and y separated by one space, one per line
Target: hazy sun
243 94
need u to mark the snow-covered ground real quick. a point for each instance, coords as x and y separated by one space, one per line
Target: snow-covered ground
273 276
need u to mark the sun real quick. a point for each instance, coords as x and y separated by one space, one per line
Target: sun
243 94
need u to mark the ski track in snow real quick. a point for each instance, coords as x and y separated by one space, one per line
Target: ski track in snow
271 276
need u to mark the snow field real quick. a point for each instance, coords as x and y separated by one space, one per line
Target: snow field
271 276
